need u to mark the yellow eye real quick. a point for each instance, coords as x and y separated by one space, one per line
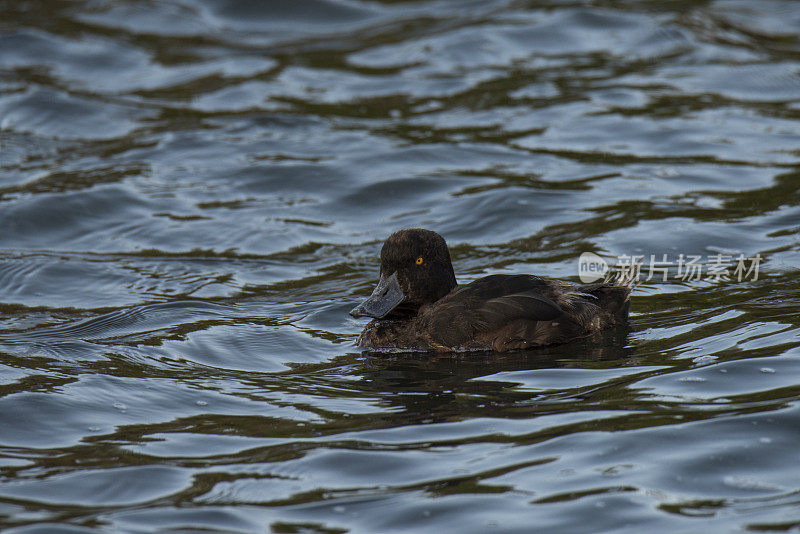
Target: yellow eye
419 260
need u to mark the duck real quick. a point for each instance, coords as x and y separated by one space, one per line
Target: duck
418 306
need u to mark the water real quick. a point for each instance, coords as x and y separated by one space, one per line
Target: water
193 195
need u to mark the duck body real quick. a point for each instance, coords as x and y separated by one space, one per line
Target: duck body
417 305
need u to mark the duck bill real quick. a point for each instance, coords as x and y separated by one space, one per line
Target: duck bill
386 297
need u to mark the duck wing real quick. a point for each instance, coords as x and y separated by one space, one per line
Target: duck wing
489 304
529 305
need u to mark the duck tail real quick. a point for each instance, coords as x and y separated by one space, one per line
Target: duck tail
613 294
628 277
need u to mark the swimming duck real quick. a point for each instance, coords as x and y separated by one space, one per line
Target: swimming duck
418 305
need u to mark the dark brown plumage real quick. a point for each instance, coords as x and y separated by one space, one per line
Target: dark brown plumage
418 305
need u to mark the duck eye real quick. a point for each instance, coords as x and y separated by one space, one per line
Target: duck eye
419 260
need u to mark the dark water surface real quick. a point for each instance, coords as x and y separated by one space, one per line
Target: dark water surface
193 195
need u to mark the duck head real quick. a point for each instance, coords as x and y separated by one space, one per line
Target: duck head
415 270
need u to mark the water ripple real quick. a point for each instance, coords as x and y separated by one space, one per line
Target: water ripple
192 196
